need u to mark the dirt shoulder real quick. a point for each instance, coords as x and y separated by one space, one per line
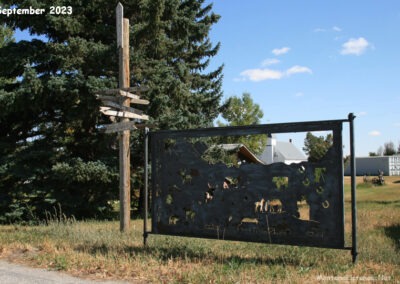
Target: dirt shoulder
11 273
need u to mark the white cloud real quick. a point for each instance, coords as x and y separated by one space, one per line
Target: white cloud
319 30
299 94
361 113
257 75
336 29
355 46
397 124
298 69
322 30
374 133
270 61
280 51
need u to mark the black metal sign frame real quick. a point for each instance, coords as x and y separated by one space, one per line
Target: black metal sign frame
194 197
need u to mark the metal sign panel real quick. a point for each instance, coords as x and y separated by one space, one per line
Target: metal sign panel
197 193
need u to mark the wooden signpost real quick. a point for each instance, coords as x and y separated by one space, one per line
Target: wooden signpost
116 104
120 126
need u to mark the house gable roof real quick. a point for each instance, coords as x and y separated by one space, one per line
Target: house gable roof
289 151
284 151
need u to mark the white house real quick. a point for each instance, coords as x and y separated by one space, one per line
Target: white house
390 165
279 151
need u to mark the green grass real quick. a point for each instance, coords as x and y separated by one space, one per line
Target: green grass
98 250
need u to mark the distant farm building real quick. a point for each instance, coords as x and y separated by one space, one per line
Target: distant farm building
370 166
274 152
280 151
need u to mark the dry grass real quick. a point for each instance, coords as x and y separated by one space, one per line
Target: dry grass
97 250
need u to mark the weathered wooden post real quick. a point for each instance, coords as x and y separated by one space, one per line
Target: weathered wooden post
124 151
119 106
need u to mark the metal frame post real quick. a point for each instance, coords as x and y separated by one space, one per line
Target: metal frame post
146 182
354 252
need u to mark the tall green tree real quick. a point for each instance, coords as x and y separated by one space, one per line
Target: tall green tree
389 149
317 146
239 111
172 54
51 149
6 37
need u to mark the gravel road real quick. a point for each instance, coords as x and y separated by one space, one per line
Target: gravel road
14 273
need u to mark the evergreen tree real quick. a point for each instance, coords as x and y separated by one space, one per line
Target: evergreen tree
171 55
6 37
51 149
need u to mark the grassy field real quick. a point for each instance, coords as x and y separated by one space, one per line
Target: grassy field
96 250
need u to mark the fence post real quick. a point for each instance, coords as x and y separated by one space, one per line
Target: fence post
354 252
146 184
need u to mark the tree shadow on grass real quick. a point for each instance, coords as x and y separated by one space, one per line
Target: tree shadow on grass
186 253
393 232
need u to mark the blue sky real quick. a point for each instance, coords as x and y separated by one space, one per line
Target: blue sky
315 60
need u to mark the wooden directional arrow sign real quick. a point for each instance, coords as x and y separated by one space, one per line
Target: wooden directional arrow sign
139 101
137 89
124 108
134 98
116 100
130 89
108 98
129 95
121 126
125 114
